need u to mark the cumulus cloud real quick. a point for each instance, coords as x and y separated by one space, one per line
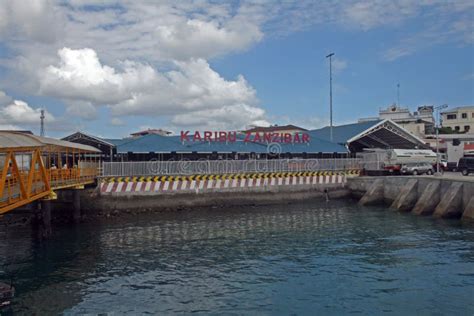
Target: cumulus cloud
193 91
154 55
20 113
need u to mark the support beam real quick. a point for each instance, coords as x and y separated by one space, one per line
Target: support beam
428 200
43 218
374 194
76 215
468 214
451 204
406 199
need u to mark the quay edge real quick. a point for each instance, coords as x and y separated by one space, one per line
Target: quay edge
442 198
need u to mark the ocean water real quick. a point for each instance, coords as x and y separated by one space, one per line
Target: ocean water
314 258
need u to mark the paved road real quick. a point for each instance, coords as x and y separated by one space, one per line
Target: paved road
455 176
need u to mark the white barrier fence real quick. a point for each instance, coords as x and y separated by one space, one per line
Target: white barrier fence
186 167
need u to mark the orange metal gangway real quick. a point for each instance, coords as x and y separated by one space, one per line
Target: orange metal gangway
33 167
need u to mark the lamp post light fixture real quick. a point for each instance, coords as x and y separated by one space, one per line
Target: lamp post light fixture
330 95
437 108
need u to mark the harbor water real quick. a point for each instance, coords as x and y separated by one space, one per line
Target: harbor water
316 258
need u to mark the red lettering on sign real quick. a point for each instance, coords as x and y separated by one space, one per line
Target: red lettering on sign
305 138
197 136
222 136
232 136
207 136
257 138
184 136
296 138
287 138
267 137
247 137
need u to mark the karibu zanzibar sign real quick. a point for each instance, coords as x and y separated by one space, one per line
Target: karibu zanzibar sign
229 137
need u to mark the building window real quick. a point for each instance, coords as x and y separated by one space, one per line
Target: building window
472 114
466 128
451 116
456 128
464 115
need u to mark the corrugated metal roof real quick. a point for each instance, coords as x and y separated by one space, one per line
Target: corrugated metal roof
16 140
342 133
166 144
63 143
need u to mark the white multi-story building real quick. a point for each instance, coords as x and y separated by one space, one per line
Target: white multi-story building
460 119
419 123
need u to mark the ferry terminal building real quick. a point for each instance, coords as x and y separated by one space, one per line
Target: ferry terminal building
347 140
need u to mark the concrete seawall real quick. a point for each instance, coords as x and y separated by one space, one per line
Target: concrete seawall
174 192
444 198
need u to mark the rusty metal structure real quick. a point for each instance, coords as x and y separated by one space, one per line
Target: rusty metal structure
34 167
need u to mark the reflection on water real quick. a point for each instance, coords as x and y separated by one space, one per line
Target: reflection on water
302 259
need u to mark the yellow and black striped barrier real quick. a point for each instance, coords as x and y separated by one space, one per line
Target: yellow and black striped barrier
230 176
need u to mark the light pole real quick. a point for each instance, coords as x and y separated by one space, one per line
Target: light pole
437 108
330 94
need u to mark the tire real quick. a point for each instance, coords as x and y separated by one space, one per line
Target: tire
455 170
465 172
415 172
429 172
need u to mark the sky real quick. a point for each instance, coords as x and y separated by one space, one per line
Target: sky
109 68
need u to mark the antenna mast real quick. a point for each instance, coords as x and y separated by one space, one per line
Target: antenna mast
42 123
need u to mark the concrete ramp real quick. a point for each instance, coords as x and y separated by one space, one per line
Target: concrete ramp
451 203
428 200
468 213
406 199
374 194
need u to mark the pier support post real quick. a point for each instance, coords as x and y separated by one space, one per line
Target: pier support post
406 199
374 194
76 215
451 203
43 218
468 213
428 200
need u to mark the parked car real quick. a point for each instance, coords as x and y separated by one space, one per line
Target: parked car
417 168
466 165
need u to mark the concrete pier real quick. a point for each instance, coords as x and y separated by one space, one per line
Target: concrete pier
374 194
422 195
43 219
406 200
450 205
76 215
468 213
428 200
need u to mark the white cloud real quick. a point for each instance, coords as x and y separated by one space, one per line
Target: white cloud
154 55
231 117
115 121
20 113
192 92
338 64
82 109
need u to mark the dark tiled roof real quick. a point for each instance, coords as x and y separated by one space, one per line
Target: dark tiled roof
275 128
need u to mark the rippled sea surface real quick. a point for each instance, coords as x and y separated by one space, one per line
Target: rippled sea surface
315 258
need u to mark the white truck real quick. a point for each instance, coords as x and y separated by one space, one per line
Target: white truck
393 159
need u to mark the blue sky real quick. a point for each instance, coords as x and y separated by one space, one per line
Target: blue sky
111 70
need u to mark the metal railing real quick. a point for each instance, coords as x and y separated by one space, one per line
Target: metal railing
186 167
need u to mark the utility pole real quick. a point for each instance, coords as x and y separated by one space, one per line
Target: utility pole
42 123
437 108
398 94
330 94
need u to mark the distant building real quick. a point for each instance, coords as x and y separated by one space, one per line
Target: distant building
419 123
151 131
460 119
292 129
17 131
